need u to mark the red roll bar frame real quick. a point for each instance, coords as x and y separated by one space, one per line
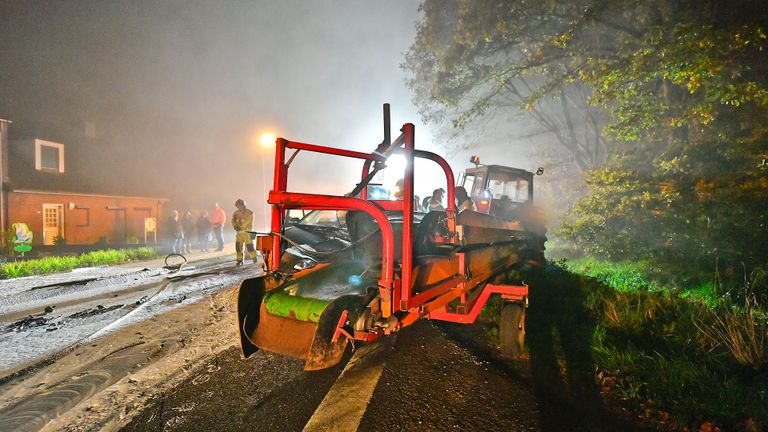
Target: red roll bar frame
393 291
329 202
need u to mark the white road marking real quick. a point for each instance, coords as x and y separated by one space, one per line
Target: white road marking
344 405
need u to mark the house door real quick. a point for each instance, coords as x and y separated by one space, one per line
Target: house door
53 222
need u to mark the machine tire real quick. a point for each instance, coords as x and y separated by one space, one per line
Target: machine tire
512 330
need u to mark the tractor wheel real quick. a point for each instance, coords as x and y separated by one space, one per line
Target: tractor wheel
512 330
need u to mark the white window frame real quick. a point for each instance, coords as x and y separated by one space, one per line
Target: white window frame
38 155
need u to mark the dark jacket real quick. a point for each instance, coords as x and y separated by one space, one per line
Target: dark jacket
173 228
203 225
188 225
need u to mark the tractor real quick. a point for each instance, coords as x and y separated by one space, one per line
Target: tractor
358 267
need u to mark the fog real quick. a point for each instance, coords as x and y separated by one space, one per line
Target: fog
176 93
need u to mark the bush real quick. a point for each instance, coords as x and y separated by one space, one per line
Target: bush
690 216
9 244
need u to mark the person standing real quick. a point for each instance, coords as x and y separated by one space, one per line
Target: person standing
436 202
188 225
242 222
217 220
203 230
175 233
425 204
463 201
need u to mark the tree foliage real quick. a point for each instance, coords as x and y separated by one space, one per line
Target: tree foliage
471 60
676 90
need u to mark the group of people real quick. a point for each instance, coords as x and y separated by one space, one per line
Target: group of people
435 202
182 230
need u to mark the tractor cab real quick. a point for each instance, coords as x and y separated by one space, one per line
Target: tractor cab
498 190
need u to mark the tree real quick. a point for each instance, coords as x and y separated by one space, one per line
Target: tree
646 63
677 92
473 60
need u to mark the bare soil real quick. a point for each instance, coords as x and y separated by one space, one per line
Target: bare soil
435 378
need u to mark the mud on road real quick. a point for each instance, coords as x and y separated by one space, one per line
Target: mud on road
101 381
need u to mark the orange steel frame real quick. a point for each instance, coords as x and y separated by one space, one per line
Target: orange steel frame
396 293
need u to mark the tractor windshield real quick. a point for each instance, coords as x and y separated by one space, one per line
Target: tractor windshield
474 184
507 186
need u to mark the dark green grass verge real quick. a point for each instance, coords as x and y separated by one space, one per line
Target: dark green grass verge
63 263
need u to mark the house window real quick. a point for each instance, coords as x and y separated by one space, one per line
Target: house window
49 156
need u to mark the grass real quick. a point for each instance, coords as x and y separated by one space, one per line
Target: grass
58 264
681 357
741 333
627 276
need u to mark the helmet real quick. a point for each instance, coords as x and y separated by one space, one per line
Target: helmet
239 203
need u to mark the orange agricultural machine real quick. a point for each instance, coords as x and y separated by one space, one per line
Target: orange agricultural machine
355 268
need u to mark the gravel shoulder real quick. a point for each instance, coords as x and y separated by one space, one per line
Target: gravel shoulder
435 378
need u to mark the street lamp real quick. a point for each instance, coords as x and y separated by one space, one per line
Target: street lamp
267 140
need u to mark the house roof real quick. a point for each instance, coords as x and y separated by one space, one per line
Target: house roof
46 192
89 169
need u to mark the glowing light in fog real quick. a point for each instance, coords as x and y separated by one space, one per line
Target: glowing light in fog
396 164
267 139
394 172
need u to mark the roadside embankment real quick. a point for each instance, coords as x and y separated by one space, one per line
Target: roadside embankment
674 361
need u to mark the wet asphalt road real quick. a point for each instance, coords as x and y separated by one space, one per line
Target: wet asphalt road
137 339
39 321
437 377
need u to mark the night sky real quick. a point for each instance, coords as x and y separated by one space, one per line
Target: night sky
178 90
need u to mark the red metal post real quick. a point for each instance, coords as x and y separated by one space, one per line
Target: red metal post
279 185
366 170
407 243
340 327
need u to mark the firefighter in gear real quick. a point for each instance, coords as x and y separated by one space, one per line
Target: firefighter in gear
242 222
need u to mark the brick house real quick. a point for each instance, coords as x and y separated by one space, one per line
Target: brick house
66 190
